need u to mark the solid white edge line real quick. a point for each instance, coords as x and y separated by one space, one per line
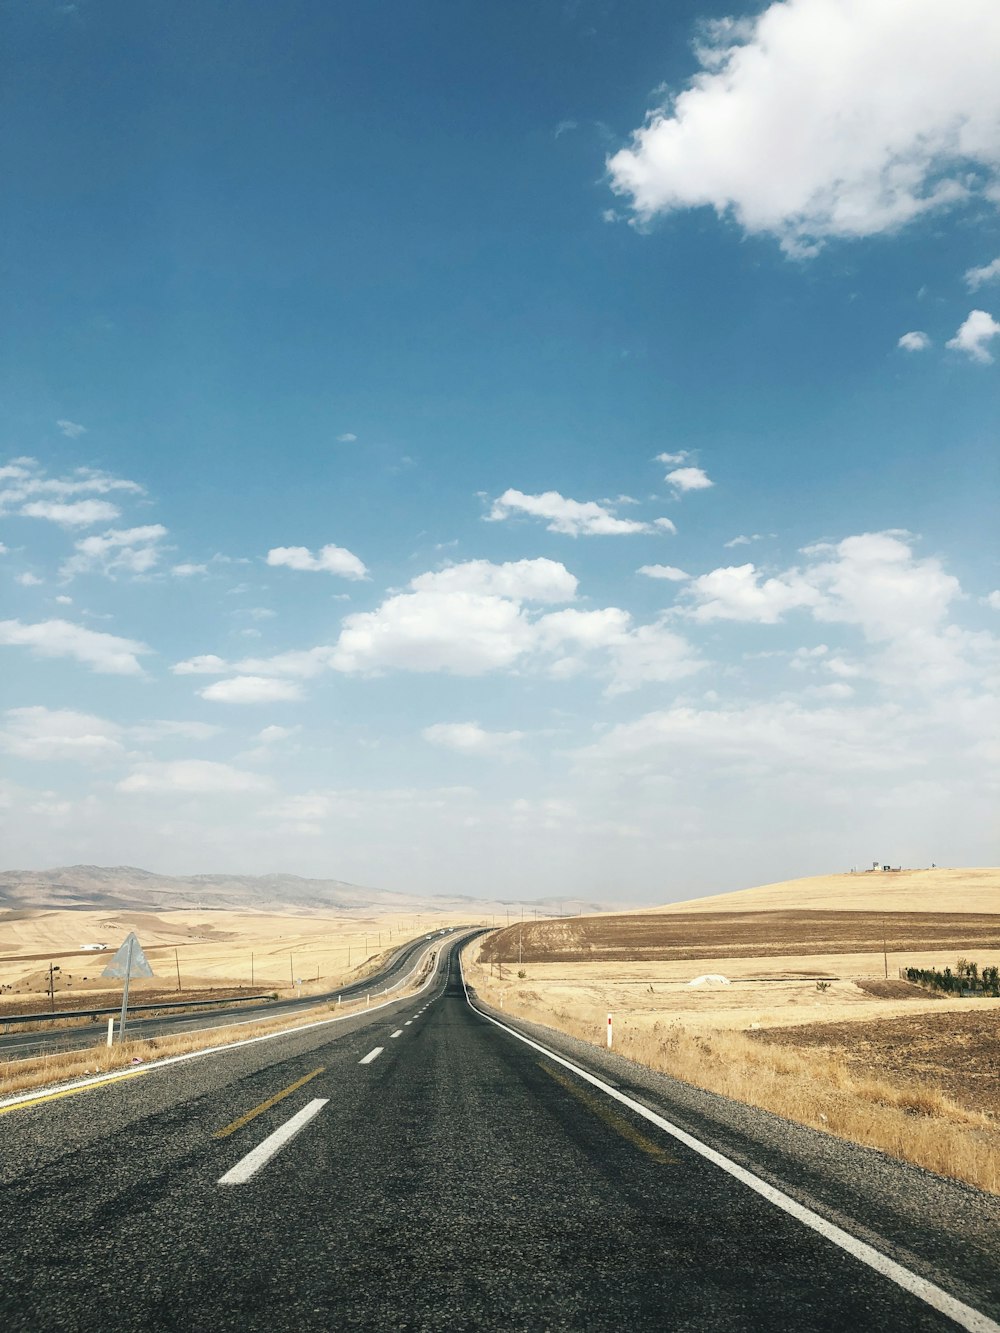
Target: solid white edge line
96 1079
249 1166
372 1055
938 1299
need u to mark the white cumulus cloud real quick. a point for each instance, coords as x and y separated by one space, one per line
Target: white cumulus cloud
575 518
251 690
40 733
740 592
689 479
24 479
538 580
975 335
827 118
104 653
669 572
914 341
74 514
118 551
328 560
464 633
978 277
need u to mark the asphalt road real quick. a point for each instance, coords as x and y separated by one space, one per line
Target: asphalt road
447 1175
21 1045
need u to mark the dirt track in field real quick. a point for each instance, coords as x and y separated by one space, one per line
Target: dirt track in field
658 937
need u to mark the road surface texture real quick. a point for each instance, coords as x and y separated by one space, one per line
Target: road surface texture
19 1045
423 1168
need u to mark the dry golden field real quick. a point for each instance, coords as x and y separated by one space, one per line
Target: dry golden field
808 1026
941 889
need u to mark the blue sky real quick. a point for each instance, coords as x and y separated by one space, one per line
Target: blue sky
504 449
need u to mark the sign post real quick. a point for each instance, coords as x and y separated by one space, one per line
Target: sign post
129 943
128 962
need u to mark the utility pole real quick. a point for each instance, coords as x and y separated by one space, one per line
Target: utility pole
177 964
885 954
52 990
291 968
251 970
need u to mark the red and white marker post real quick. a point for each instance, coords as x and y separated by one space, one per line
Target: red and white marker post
609 1032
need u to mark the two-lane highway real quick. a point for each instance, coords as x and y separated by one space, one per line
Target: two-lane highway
423 1167
18 1044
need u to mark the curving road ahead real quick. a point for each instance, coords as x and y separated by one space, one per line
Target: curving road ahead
428 1167
20 1045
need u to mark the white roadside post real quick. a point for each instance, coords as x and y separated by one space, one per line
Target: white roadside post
111 1030
609 1032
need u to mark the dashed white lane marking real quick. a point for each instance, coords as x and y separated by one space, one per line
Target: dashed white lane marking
372 1055
408 1022
249 1166
398 1032
936 1297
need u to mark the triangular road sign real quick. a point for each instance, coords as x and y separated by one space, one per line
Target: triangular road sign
119 965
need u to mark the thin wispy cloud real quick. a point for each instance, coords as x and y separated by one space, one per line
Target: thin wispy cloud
71 429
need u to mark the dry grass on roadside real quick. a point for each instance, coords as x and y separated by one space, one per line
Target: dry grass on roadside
814 1088
46 1070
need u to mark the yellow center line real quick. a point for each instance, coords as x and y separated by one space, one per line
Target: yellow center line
266 1106
611 1119
71 1092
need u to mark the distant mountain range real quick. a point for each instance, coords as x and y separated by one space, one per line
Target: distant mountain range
106 887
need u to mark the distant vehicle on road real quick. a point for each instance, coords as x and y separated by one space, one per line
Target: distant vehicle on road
92 948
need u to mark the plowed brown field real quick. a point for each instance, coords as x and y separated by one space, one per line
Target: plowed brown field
658 938
958 1053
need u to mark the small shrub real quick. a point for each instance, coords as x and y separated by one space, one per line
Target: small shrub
822 986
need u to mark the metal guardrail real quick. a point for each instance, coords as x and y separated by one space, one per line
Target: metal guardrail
8 1020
